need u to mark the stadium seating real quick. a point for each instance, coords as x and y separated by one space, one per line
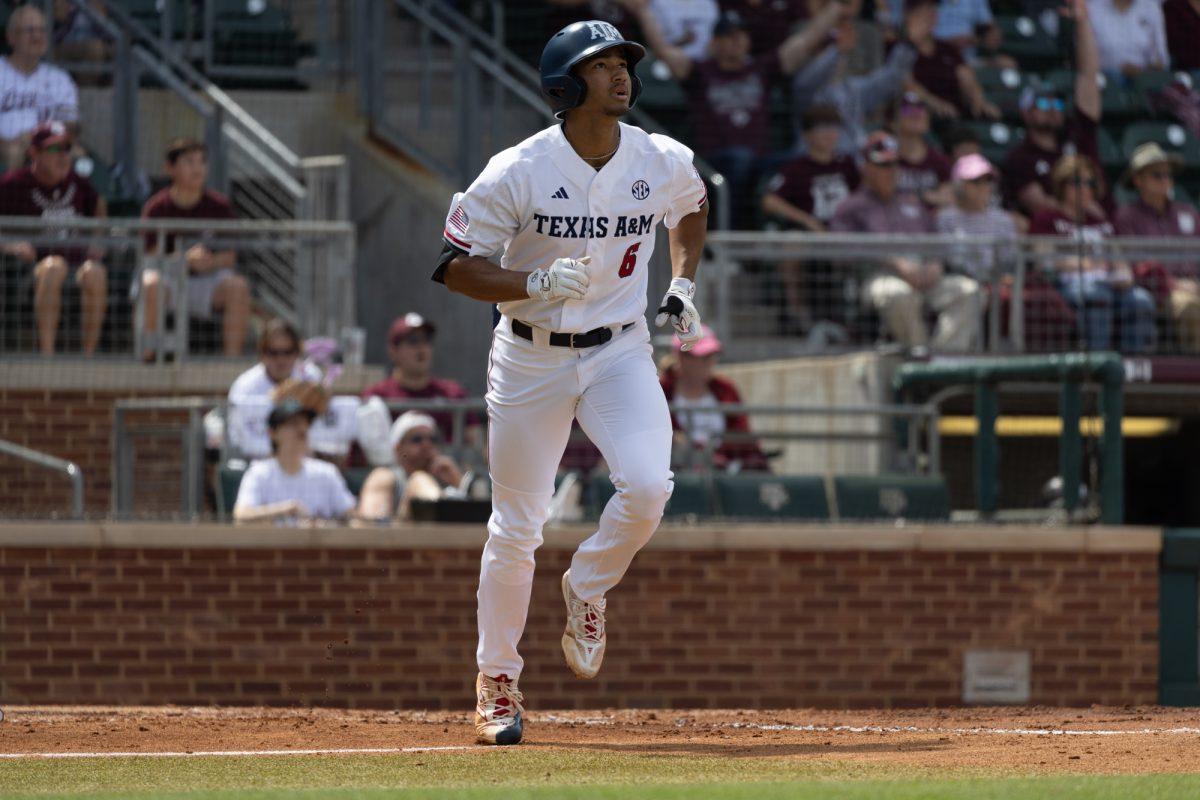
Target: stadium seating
692 498
1027 41
1171 136
863 497
763 496
995 138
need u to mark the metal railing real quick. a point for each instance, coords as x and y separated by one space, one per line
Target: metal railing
301 271
744 282
68 468
470 96
918 453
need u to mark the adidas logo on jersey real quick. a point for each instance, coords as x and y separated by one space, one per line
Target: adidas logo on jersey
561 194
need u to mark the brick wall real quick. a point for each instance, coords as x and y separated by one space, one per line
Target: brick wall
786 618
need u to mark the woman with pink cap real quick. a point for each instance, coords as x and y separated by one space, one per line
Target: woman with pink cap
692 386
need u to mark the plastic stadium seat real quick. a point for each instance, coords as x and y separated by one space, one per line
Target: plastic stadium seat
1028 42
1171 136
692 496
1003 87
995 138
660 91
761 496
1148 83
1111 155
892 497
1117 101
229 478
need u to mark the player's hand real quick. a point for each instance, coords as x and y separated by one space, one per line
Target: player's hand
565 279
678 307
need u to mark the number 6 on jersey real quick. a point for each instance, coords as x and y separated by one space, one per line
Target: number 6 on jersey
629 260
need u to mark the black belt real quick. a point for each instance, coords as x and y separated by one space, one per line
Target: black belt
576 341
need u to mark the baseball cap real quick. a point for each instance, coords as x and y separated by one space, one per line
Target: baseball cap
287 409
728 22
403 326
49 133
708 344
881 148
970 167
1146 155
406 422
910 100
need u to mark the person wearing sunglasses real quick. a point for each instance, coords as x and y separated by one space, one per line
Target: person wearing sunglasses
1051 125
1099 287
1156 212
33 91
51 189
250 396
421 470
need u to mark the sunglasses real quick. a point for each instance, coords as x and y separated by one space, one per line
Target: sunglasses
1083 183
989 178
57 148
1049 104
1159 175
271 353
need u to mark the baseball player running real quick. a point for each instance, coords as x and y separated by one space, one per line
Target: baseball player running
571 214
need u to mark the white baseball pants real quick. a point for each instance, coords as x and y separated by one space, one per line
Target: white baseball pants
535 391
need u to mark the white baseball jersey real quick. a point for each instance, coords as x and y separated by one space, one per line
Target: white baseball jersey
539 201
47 93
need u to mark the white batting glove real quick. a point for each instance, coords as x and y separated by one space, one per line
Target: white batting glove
565 279
678 307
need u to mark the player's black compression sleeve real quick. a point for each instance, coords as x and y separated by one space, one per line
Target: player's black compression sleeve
449 253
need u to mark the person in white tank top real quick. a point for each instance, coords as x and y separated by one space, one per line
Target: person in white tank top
31 92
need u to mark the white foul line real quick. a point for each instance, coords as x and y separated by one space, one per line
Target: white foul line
962 731
201 753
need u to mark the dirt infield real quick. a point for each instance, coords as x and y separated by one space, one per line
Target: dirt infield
1097 740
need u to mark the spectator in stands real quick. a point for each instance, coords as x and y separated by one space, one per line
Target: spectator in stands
250 396
31 92
972 216
51 189
907 283
769 22
924 169
941 76
969 26
410 349
961 142
289 487
78 39
1048 131
824 80
1156 213
1182 21
213 286
687 24
690 383
803 196
1098 288
1130 36
729 94
421 470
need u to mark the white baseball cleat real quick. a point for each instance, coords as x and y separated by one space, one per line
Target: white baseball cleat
584 639
498 710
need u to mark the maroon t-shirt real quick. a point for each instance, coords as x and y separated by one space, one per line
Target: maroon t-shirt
816 188
1183 34
938 73
22 196
212 205
1055 223
768 22
1027 163
729 108
391 389
918 177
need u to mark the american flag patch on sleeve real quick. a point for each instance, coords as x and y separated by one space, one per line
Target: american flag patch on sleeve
457 225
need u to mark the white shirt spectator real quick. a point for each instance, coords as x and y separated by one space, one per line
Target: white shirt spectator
1135 35
48 93
250 403
702 426
318 486
979 260
687 24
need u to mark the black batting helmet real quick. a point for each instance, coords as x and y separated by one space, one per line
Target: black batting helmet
574 43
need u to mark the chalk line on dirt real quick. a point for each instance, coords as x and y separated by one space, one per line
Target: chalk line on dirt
204 753
960 731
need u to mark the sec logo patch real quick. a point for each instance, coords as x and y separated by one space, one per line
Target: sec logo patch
641 190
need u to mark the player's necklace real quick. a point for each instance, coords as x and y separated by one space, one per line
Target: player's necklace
606 155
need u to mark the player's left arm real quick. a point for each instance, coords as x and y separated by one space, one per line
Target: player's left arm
686 242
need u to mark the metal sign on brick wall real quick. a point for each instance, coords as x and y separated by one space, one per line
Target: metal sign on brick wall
996 676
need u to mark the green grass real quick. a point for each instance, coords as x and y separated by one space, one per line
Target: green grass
545 774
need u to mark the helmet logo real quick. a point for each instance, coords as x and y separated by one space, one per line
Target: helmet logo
602 30
641 190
